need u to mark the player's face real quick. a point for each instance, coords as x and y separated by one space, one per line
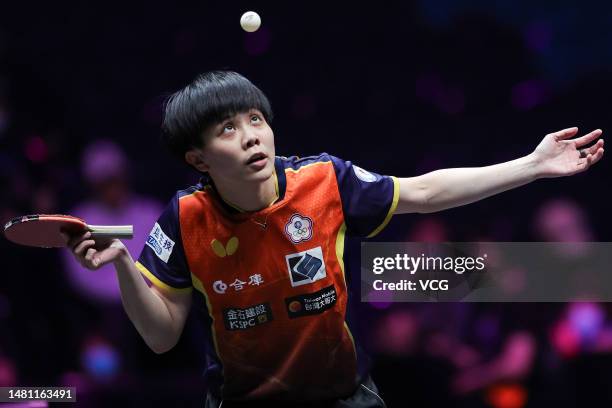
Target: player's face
240 147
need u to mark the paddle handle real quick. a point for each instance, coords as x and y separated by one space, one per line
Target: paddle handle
111 231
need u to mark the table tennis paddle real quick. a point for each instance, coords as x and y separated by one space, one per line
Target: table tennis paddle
50 230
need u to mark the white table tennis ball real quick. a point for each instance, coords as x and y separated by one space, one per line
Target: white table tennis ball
250 21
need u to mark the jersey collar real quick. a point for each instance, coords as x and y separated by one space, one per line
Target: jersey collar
281 186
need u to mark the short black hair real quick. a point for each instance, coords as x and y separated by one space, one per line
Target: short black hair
206 101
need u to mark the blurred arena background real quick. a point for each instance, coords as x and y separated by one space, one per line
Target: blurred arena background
399 89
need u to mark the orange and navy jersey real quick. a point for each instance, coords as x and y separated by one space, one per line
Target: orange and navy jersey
271 285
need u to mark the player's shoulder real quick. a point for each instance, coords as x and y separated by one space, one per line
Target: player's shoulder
202 186
171 209
183 199
297 163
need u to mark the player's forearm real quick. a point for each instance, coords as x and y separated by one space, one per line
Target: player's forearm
448 188
147 311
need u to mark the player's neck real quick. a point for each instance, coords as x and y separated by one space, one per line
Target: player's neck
249 196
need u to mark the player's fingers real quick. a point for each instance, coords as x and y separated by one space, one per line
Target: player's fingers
591 159
89 254
565 133
597 156
74 240
593 149
80 249
104 257
588 138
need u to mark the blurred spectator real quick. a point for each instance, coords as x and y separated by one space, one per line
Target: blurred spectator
428 229
475 354
562 220
397 333
105 169
579 334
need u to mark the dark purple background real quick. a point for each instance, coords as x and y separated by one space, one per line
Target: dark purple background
399 89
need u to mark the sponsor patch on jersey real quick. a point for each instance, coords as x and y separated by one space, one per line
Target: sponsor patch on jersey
159 242
225 250
299 228
219 287
242 319
311 303
306 267
364 175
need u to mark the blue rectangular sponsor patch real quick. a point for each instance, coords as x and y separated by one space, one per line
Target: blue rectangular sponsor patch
152 242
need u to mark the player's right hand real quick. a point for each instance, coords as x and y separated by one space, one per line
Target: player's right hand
91 254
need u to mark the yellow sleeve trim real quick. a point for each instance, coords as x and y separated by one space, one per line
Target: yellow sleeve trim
340 248
391 209
155 280
340 258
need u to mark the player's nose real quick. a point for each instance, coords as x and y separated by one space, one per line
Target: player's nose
250 138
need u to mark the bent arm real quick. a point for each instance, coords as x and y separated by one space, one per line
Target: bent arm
159 316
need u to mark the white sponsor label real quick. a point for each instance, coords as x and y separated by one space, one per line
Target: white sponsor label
364 175
159 242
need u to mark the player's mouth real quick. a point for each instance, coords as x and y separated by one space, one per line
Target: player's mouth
257 161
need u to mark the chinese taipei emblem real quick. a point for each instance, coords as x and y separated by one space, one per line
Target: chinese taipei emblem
299 228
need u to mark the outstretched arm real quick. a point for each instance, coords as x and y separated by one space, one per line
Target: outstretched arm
557 155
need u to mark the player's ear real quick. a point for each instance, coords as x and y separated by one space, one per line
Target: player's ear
195 158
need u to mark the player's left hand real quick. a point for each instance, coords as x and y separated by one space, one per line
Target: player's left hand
557 155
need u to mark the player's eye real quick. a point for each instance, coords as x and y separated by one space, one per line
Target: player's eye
228 127
255 118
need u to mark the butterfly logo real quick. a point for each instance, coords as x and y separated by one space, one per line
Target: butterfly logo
224 250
